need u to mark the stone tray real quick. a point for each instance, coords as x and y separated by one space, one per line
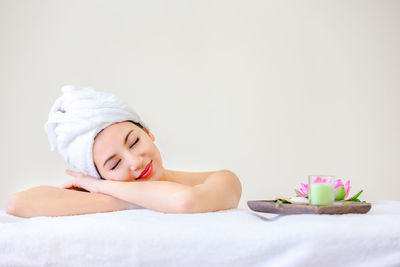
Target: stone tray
268 206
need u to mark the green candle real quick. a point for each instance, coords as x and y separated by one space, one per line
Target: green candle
321 194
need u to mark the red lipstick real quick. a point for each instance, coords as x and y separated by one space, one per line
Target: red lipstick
147 171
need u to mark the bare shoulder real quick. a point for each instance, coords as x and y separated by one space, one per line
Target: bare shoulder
196 178
189 178
225 179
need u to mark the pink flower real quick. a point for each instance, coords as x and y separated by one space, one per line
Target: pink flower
338 183
303 190
320 180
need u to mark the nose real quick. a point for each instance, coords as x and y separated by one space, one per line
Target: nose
134 162
134 172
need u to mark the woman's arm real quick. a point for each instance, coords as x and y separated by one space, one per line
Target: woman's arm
162 196
220 190
55 201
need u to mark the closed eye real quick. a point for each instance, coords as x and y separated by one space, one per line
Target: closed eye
115 165
137 140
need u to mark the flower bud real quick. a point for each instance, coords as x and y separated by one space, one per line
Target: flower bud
340 193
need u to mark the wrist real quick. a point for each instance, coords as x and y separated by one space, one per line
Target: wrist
103 185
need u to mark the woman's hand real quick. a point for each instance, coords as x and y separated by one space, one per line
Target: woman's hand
82 181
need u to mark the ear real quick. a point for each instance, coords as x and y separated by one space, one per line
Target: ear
152 137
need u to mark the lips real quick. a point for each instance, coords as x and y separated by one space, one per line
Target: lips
147 171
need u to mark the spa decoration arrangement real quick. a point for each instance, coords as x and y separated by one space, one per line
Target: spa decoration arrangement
340 191
322 195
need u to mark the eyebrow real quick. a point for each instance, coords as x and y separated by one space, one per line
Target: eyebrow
126 140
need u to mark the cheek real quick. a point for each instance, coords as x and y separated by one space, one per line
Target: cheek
157 155
122 175
154 149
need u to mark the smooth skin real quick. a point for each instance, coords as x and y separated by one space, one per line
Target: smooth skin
121 152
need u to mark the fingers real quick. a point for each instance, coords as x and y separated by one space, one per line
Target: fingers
71 186
66 185
80 180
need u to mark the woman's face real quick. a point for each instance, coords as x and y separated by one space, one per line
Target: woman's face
122 151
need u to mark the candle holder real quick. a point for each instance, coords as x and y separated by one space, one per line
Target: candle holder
321 191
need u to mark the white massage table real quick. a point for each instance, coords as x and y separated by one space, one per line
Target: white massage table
235 237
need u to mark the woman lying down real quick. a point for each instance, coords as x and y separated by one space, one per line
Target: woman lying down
119 166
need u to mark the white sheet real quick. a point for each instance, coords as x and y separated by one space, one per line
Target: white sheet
227 238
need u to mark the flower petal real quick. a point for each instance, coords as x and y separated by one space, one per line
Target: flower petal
300 193
347 186
304 188
338 183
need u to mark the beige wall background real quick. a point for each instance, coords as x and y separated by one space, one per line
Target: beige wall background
272 90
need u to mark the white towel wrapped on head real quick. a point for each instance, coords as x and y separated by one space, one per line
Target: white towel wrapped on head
75 119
